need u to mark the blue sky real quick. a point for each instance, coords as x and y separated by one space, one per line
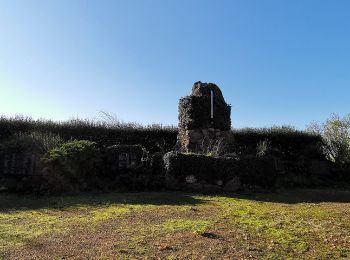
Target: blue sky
278 62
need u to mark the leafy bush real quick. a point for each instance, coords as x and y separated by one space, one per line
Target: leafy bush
111 167
104 132
35 142
284 142
74 163
336 136
204 168
258 171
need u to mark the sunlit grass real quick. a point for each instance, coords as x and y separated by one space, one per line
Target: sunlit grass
197 226
144 223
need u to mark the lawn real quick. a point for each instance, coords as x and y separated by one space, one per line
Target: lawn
294 224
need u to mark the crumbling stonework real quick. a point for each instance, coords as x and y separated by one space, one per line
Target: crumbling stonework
198 130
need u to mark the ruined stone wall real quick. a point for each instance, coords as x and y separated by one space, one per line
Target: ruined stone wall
18 164
197 131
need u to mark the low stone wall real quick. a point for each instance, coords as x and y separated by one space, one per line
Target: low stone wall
19 164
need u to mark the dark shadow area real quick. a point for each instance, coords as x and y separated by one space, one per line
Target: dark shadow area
211 235
293 196
10 202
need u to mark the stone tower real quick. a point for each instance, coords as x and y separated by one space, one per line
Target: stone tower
204 119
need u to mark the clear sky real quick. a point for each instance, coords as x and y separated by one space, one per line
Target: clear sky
278 62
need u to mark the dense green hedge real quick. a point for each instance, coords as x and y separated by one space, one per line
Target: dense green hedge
202 167
284 142
251 170
153 138
72 166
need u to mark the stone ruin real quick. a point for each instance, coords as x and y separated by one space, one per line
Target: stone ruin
18 164
204 120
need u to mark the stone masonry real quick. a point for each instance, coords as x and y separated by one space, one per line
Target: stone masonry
204 120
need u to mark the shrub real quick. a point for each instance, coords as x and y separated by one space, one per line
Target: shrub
20 154
202 167
262 148
74 163
157 162
154 137
111 167
336 136
35 142
284 142
258 171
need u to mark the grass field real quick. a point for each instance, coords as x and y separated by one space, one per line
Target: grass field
297 224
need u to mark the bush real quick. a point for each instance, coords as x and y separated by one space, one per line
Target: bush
20 154
34 142
111 167
202 167
154 138
256 171
284 142
75 164
336 136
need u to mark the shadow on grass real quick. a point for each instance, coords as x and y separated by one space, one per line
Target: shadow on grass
27 202
10 202
293 196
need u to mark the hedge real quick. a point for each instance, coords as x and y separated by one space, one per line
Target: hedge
154 138
284 142
202 167
251 170
72 166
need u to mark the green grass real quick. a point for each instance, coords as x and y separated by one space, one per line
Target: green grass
299 224
197 226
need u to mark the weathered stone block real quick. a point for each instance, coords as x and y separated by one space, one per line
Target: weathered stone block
204 119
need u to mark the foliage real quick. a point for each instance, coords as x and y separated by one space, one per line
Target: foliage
36 142
202 167
285 142
336 136
104 131
74 163
262 148
213 148
252 170
136 149
258 171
